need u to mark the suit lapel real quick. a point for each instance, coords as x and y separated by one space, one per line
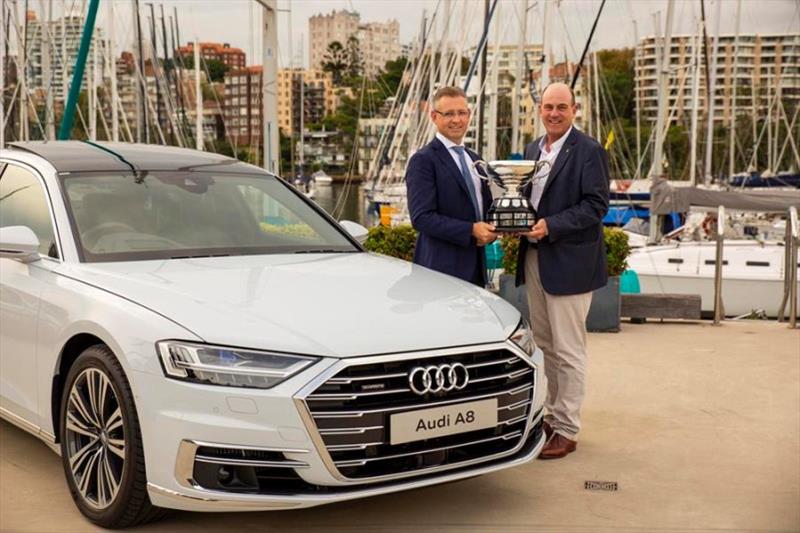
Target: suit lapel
534 156
561 160
444 156
486 191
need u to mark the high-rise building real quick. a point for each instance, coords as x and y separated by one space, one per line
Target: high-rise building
759 65
65 34
379 42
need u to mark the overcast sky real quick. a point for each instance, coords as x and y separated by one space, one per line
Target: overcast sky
237 21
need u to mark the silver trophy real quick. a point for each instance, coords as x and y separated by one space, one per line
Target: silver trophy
512 212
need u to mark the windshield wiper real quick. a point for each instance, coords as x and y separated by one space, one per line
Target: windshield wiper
325 251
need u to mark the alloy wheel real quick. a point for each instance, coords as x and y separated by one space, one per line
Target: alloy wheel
95 438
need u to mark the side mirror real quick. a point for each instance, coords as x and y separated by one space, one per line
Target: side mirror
19 242
356 230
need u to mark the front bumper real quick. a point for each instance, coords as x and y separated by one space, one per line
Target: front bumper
279 428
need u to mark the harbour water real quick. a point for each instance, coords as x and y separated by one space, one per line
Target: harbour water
342 201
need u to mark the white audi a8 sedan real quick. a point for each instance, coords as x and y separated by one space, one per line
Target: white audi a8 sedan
188 331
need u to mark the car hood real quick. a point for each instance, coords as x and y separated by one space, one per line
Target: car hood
338 305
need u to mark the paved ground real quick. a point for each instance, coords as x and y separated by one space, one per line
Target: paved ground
699 426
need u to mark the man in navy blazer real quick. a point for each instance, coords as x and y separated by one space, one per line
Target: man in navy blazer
447 200
563 259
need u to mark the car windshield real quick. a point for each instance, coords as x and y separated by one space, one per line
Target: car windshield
162 215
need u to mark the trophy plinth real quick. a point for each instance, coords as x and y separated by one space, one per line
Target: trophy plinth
512 212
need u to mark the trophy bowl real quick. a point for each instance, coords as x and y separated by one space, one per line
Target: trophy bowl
512 212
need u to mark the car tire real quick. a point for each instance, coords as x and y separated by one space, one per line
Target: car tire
101 443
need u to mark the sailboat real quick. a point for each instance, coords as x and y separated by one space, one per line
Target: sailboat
752 268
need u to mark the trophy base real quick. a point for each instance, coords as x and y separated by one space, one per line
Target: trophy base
515 216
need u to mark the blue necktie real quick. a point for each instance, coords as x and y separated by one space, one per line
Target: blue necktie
465 173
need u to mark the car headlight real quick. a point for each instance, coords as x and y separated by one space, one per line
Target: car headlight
523 337
231 367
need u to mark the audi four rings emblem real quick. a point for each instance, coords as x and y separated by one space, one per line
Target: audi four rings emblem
433 378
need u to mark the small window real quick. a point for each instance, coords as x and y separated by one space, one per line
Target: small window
757 263
675 260
23 202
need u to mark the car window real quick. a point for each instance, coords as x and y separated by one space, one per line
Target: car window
155 215
23 202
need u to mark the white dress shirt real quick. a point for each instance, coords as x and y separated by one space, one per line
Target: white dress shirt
476 180
540 178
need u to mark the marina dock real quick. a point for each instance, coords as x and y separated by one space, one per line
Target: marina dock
687 427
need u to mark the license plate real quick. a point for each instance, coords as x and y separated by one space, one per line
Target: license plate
441 421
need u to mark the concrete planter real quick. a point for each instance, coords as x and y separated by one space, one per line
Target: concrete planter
516 296
605 308
603 312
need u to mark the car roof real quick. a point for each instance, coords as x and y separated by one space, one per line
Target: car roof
87 156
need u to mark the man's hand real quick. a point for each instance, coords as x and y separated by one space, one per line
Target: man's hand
538 231
483 233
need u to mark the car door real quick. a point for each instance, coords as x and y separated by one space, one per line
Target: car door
23 202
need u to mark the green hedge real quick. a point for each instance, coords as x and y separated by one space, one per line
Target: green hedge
396 241
399 241
617 251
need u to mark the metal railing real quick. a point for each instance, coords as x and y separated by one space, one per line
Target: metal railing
792 242
719 310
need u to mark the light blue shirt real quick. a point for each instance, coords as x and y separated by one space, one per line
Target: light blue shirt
476 180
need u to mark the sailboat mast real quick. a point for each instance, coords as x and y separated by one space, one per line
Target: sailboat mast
486 19
142 129
695 100
168 77
3 75
22 74
638 95
657 168
302 113
711 98
112 53
198 99
154 64
47 71
735 69
92 86
523 32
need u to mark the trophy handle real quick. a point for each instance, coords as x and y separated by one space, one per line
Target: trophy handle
490 175
539 166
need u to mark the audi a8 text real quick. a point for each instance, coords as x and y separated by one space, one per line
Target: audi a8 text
190 332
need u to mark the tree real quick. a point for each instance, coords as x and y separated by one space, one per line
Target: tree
335 61
216 68
355 65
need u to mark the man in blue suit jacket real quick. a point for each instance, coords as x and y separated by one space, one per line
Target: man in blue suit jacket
447 200
563 259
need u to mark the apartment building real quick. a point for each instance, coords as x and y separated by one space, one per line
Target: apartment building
66 35
379 42
233 58
758 65
318 97
242 105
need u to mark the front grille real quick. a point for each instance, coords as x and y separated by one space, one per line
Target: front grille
352 413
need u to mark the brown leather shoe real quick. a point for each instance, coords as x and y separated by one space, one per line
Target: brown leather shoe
548 431
557 447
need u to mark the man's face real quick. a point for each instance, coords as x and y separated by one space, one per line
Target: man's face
557 111
451 116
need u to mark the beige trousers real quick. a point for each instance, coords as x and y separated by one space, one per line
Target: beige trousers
559 329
